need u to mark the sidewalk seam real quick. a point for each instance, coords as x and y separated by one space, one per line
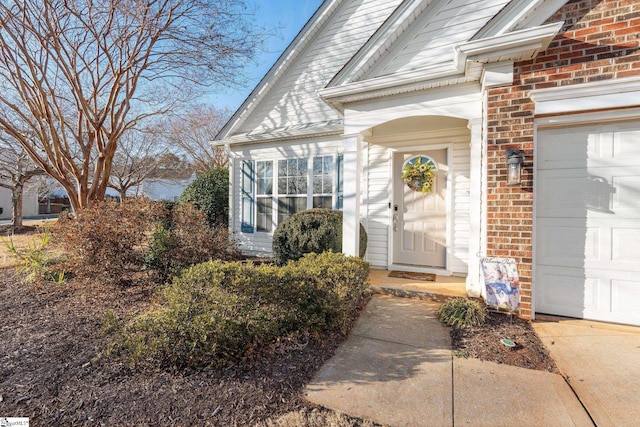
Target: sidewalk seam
566 380
394 342
453 393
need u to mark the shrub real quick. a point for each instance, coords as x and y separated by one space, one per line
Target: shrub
209 192
183 237
106 241
218 312
462 312
313 230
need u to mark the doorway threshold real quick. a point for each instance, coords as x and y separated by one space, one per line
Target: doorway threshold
438 271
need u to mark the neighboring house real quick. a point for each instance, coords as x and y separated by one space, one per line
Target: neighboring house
369 85
29 202
164 188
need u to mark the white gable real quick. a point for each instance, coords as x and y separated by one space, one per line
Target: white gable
292 99
352 50
441 25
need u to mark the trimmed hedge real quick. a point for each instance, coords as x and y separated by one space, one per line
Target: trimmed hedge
216 313
311 231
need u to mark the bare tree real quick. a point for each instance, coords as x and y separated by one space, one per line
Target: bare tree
79 74
192 133
142 155
16 168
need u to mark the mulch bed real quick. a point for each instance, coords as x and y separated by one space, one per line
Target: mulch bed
8 229
483 342
50 337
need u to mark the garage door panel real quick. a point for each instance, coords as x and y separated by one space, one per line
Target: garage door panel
625 242
573 193
566 291
587 204
564 243
591 146
625 294
626 193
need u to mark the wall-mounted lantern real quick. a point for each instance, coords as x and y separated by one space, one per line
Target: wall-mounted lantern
515 160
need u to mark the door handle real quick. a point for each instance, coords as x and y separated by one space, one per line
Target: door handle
395 222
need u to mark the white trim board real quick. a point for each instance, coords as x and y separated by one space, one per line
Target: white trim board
600 95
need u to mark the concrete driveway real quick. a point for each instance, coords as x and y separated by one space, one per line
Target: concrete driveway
601 363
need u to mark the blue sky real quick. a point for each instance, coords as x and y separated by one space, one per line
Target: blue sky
289 16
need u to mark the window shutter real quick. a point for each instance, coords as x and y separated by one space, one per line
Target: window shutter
248 181
340 184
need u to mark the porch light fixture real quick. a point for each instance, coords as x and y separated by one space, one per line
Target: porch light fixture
515 160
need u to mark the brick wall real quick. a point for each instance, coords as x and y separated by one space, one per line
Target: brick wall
600 41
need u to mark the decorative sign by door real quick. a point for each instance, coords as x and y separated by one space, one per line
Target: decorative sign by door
501 283
419 173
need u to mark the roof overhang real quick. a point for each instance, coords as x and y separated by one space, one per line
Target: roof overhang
466 66
309 130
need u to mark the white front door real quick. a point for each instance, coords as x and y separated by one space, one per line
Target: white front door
588 222
419 220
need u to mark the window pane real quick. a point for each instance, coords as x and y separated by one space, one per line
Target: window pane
302 185
292 168
290 205
291 186
265 186
327 184
302 167
317 165
322 202
328 165
268 169
282 168
264 221
317 185
282 185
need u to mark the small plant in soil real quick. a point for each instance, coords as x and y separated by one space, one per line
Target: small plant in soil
462 313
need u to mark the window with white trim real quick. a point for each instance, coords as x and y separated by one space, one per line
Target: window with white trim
285 186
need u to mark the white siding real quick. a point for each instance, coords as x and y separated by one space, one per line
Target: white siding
377 212
430 40
29 203
259 243
293 98
165 189
460 165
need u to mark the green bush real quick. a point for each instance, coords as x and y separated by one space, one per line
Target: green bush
106 241
217 312
183 237
313 230
462 312
209 192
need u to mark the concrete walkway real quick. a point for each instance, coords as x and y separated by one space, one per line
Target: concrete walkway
601 363
397 369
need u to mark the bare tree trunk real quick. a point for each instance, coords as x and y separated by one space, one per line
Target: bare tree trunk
16 205
123 196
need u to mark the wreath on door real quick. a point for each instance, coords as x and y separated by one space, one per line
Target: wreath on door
419 174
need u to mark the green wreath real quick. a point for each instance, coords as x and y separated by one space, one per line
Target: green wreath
419 175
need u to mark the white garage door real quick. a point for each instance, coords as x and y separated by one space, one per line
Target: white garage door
587 247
